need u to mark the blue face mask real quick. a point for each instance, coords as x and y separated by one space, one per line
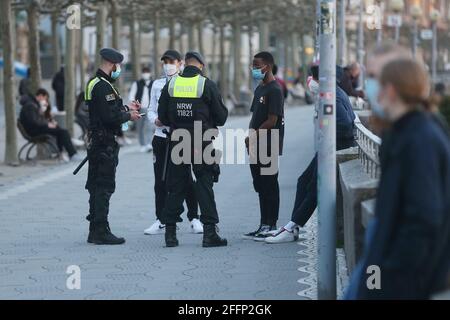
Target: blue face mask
257 74
116 74
372 92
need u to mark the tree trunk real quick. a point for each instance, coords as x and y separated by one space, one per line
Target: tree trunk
171 33
250 55
237 59
56 50
33 43
200 37
181 39
192 45
69 80
213 55
156 56
102 13
116 23
133 45
82 64
8 84
223 64
286 57
263 36
13 37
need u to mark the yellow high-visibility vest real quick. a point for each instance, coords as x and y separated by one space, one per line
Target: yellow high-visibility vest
90 86
182 87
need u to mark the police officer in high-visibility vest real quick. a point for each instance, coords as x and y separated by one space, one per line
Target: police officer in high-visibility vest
187 101
107 114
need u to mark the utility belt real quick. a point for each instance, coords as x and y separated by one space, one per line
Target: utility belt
102 137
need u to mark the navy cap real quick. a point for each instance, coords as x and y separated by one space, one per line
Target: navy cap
171 54
195 55
111 55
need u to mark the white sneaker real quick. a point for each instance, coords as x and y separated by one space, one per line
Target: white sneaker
149 148
77 142
196 226
143 149
283 236
156 228
63 157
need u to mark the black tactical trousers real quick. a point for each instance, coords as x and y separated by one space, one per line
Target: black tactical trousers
159 154
101 182
269 194
179 177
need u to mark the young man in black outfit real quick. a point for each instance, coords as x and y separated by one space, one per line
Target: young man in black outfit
268 116
32 117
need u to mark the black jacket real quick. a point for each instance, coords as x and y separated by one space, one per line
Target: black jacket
211 96
411 238
31 119
58 87
106 109
345 117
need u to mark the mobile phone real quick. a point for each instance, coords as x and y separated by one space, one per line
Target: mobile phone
142 114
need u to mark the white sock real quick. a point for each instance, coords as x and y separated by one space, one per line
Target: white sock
290 226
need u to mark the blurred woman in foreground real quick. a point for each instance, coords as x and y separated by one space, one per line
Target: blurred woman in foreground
407 249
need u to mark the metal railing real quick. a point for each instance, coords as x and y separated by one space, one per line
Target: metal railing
368 149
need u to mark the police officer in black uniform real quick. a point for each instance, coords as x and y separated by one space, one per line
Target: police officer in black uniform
106 116
188 98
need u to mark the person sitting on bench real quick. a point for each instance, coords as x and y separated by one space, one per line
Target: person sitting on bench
36 121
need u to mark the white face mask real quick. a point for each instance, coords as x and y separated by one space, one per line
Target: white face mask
170 69
313 86
146 76
43 106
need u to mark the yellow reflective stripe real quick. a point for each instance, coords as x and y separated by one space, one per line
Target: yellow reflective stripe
186 87
201 86
89 88
172 86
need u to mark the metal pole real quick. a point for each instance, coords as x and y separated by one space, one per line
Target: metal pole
434 54
326 280
342 34
316 60
317 42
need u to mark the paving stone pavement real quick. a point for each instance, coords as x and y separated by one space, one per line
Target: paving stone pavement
43 231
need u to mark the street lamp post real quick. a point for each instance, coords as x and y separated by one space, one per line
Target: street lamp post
326 184
397 7
434 17
416 13
342 34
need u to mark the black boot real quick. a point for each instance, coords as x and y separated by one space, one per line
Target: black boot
102 235
211 238
171 236
91 232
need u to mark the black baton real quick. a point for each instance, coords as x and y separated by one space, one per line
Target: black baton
166 157
81 165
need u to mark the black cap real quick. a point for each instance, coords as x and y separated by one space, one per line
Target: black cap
195 55
111 55
171 54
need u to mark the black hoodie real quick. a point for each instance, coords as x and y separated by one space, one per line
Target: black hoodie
31 119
